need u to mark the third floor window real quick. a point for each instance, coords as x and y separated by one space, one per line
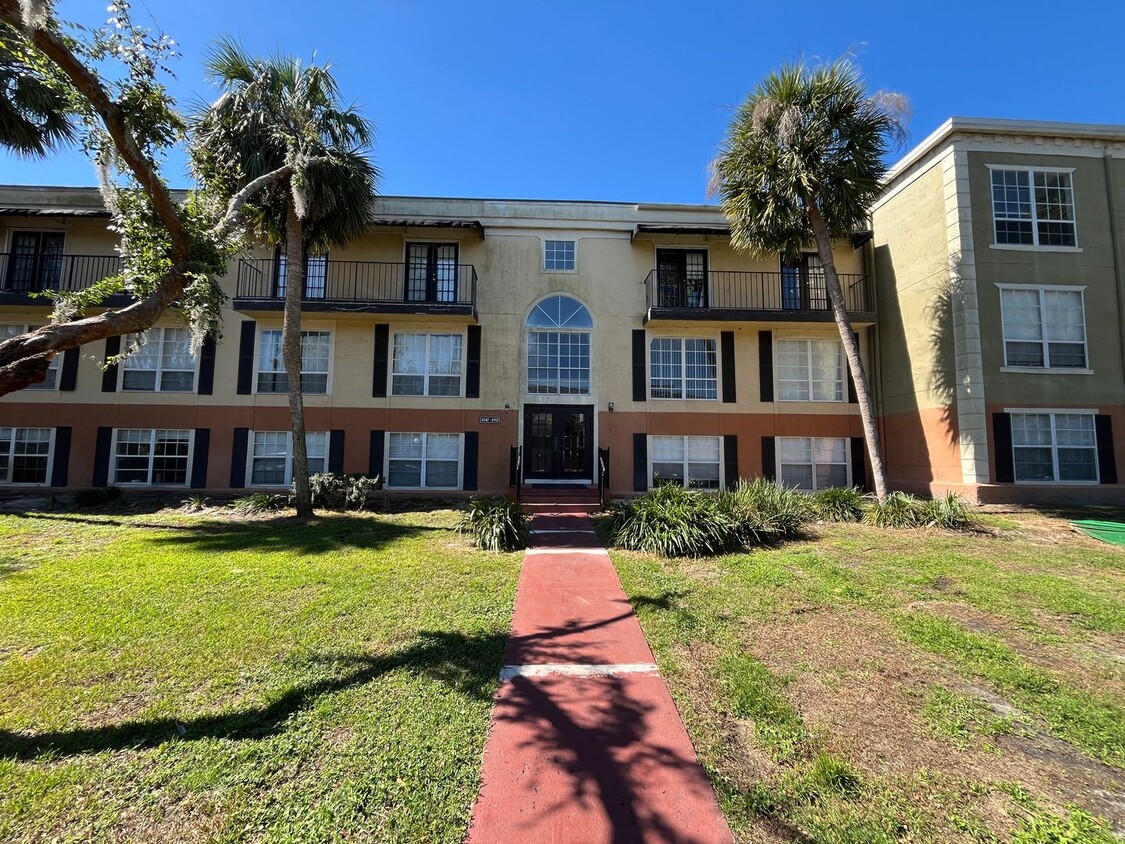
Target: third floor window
1033 207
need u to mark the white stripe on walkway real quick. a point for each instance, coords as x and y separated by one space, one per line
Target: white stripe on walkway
567 530
566 551
509 672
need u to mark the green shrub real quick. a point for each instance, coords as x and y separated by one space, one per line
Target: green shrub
496 524
99 496
839 504
674 522
195 503
259 502
898 510
335 491
950 511
764 511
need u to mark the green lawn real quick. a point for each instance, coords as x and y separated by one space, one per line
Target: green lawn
168 677
873 685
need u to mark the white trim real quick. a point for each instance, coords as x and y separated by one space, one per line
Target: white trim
651 337
543 253
11 455
1025 168
288 457
1063 287
160 365
422 470
685 438
847 459
426 375
113 455
1088 411
331 331
843 370
1044 370
511 672
1031 170
1031 247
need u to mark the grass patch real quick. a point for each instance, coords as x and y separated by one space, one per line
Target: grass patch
178 677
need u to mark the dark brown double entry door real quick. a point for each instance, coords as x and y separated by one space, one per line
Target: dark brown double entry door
558 442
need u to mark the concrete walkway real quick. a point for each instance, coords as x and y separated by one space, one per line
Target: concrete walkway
586 744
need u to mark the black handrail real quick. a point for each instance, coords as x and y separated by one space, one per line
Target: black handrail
36 273
755 291
515 470
362 281
603 475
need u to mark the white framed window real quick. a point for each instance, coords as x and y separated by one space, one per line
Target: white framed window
423 461
271 456
693 462
559 255
316 354
156 457
427 364
1033 207
164 363
51 382
558 347
812 463
25 455
683 368
1054 447
810 370
1044 327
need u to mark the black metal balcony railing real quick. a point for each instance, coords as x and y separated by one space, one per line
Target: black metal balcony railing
362 282
22 273
754 291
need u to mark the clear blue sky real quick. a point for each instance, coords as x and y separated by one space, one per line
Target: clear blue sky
627 101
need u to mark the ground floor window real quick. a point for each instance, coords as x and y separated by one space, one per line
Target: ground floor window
271 456
1049 447
812 463
24 455
151 456
693 462
424 461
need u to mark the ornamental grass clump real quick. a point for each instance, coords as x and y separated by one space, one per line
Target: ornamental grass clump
950 511
900 510
674 522
496 524
839 504
764 511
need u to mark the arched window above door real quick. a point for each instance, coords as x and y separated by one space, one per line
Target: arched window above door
558 347
560 312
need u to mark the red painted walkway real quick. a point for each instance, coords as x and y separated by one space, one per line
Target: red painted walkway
579 752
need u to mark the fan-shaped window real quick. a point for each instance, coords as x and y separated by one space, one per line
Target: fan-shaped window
558 347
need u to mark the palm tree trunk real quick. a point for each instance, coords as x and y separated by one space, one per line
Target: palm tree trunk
851 351
291 351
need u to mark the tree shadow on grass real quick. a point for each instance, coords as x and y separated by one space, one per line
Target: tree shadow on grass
330 532
467 663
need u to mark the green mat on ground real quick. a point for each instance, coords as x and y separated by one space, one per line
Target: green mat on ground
1111 532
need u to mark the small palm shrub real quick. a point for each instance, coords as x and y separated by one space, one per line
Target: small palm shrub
950 511
258 502
674 522
901 510
195 503
839 504
496 524
336 491
764 511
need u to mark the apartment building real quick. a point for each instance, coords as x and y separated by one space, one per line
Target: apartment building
999 250
460 345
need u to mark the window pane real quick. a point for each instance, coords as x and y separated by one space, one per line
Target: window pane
407 473
792 370
1024 354
30 452
666 368
667 473
669 449
1078 464
441 473
828 475
701 365
800 476
700 449
794 449
1033 464
405 446
703 475
1021 315
1031 429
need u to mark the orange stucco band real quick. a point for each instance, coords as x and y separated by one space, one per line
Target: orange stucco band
921 448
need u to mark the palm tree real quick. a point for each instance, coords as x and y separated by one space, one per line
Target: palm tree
37 113
279 112
802 162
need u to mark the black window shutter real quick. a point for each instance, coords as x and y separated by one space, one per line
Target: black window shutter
336 451
61 462
726 354
472 450
207 366
1107 462
246 359
769 458
852 397
68 373
472 364
765 364
859 463
640 462
379 363
109 374
199 458
238 458
375 462
640 388
1002 442
730 459
101 456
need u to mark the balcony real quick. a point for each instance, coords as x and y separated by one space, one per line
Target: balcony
24 276
791 296
362 287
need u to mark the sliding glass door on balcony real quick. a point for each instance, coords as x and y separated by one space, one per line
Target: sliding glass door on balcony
35 261
802 284
431 272
681 278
